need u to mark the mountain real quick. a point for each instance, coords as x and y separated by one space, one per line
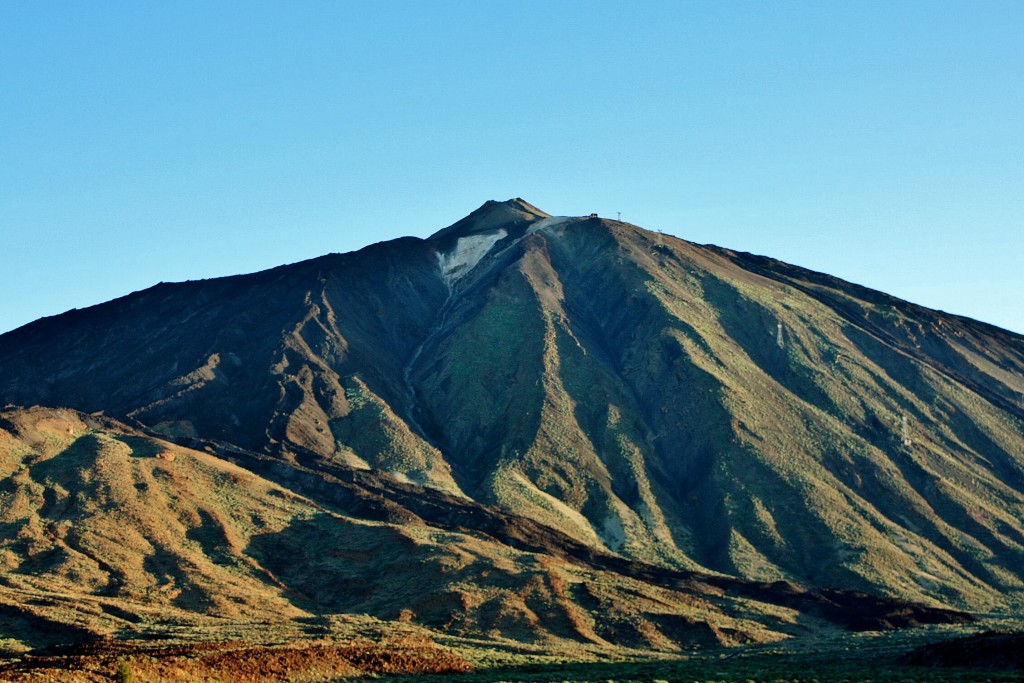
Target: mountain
612 390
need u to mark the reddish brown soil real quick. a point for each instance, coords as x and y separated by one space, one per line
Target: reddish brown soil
232 662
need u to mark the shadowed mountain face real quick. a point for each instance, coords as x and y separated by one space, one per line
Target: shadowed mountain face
683 406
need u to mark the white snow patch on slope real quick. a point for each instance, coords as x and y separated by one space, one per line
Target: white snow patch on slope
549 222
467 253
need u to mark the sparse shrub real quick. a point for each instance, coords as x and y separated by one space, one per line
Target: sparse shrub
123 673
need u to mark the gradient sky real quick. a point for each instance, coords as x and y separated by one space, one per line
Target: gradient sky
882 142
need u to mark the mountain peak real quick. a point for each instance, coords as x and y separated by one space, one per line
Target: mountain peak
491 216
520 204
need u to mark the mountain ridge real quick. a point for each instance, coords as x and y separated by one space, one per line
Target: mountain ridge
684 405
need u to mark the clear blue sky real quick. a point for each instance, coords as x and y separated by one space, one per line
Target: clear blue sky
882 142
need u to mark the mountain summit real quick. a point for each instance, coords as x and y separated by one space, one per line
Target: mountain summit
493 216
683 406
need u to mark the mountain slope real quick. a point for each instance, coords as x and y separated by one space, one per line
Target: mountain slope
109 532
682 405
756 421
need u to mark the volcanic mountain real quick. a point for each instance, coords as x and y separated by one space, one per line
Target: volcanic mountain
585 388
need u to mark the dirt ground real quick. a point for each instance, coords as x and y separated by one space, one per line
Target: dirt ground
231 662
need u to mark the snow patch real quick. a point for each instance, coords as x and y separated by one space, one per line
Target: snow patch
549 222
467 253
469 250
